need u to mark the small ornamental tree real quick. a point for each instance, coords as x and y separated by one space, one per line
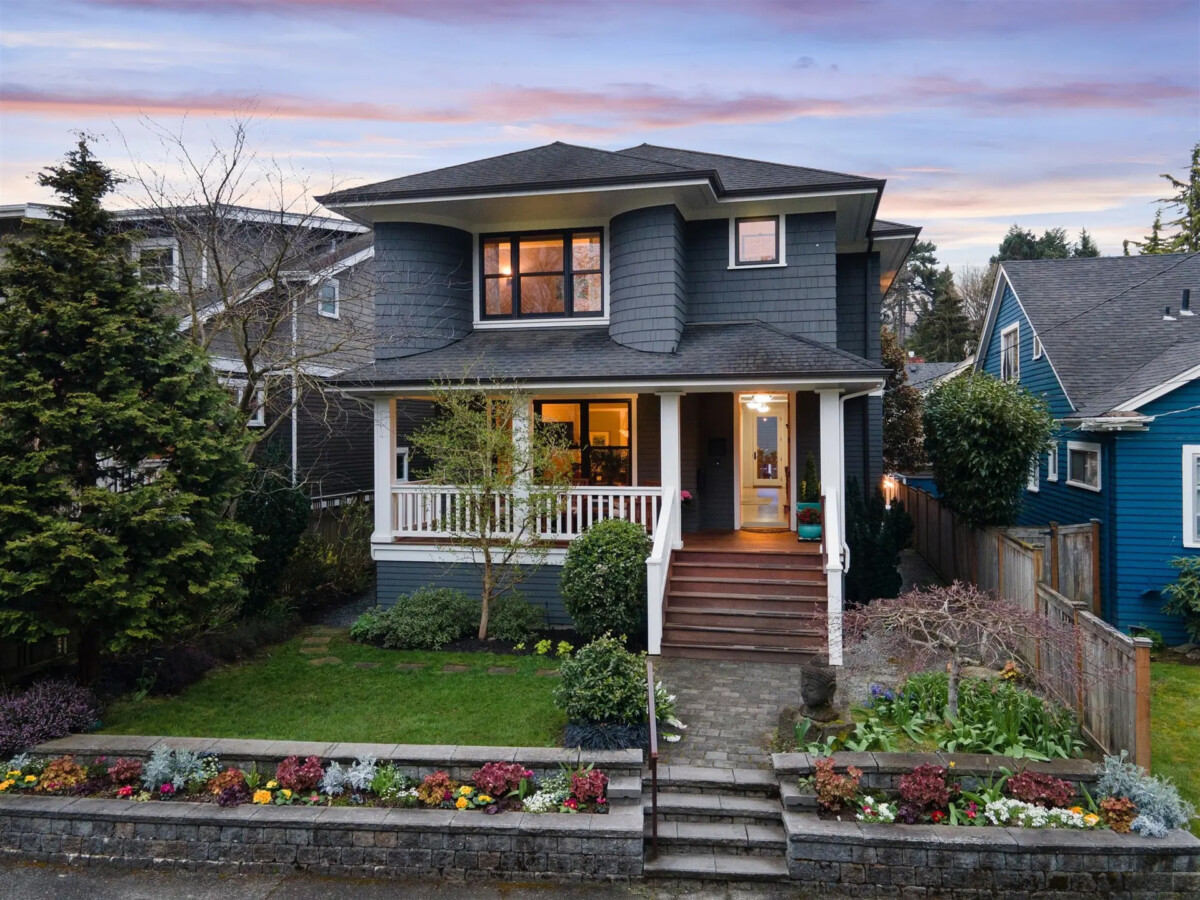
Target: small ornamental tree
119 449
509 475
982 435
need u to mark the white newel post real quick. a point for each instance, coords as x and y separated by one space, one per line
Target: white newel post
832 486
385 464
671 460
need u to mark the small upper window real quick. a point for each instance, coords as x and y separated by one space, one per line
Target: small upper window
1010 353
1191 495
328 298
1083 465
1035 476
756 241
1052 463
1037 347
158 264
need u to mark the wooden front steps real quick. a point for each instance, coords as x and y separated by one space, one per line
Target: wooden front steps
726 601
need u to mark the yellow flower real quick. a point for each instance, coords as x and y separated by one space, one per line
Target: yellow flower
272 784
484 798
14 773
952 764
1091 819
30 779
1078 810
5 785
262 797
287 795
465 790
462 803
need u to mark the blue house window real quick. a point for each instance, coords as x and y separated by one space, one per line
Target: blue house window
1191 495
1083 465
1010 353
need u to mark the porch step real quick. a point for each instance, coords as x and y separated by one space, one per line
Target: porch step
747 571
760 587
796 638
741 603
716 867
741 652
754 621
771 558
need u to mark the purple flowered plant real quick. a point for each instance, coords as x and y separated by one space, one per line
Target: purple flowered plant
49 709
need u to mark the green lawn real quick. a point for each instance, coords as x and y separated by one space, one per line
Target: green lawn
1174 720
282 696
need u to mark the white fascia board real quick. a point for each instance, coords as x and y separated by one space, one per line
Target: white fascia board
228 366
793 195
864 384
1159 390
249 214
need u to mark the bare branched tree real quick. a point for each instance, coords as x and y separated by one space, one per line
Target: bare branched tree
975 288
253 258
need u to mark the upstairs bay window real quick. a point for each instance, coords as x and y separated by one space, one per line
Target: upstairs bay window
542 275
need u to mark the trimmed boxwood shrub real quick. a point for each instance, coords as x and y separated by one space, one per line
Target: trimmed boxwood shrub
604 578
513 618
427 619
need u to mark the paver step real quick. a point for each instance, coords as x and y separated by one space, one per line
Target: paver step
716 867
681 779
739 652
719 837
624 787
679 807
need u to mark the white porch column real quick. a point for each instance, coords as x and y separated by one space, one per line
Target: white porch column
670 460
385 468
833 488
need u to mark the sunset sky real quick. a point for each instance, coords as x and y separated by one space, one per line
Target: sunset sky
980 113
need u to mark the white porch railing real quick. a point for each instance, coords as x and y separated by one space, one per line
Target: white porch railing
442 511
658 567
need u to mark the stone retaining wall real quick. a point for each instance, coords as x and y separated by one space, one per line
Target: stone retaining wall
323 840
851 859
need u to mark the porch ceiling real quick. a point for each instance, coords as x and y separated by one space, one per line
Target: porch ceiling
725 356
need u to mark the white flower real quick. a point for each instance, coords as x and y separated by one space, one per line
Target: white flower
675 723
672 738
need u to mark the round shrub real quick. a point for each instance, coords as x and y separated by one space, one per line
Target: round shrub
513 618
603 682
604 578
427 619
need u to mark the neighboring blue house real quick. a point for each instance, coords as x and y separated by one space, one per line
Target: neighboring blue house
1122 378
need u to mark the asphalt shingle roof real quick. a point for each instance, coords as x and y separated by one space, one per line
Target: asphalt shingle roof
568 165
924 374
536 355
1101 322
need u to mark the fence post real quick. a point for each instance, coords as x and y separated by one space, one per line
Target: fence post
1054 556
999 562
1096 605
1078 661
1141 741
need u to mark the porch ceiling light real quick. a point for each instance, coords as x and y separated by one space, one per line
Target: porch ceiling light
761 398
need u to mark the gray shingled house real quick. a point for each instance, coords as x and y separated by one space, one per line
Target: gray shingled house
696 322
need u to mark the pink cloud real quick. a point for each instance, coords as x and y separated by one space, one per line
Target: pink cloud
1053 95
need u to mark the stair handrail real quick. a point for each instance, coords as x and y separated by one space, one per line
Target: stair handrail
652 720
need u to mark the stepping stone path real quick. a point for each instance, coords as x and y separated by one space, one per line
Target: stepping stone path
366 665
548 673
318 648
501 670
455 668
323 639
324 661
410 667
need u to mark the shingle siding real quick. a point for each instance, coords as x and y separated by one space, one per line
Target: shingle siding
648 436
647 281
335 436
396 577
424 288
858 332
800 298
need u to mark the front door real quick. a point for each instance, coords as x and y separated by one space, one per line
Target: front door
764 460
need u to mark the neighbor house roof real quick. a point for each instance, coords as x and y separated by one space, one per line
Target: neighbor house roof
924 375
559 165
1101 322
544 355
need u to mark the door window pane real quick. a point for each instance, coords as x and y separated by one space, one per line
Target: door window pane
542 254
542 294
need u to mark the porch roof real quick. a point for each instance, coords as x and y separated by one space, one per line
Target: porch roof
741 351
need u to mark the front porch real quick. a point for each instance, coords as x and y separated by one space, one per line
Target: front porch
704 472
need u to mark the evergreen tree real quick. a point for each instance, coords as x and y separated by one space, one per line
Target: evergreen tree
1154 243
1021 243
903 437
1086 246
1187 201
943 332
120 451
911 290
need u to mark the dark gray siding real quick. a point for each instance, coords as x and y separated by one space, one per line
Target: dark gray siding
411 415
707 459
858 332
808 434
647 281
648 435
800 297
335 437
394 577
423 297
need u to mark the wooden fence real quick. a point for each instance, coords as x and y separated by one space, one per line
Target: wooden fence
1103 675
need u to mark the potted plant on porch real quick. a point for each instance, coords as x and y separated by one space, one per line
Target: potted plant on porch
808 509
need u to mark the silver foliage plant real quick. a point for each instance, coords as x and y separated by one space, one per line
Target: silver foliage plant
357 777
176 767
333 782
1160 808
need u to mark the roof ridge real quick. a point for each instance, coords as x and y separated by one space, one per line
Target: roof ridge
749 160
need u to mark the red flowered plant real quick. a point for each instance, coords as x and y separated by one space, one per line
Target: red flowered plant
835 792
125 791
809 516
125 771
299 776
227 779
436 789
500 778
588 786
925 789
937 817
1040 789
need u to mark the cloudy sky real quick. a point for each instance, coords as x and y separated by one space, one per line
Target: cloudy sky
979 113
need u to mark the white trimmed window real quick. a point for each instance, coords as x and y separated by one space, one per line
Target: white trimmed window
402 464
756 241
258 406
1191 495
158 262
1052 463
1035 476
328 298
1083 465
1037 347
1010 353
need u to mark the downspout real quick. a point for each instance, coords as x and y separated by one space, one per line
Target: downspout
295 390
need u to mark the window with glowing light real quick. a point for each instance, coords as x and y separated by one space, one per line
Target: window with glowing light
542 275
756 241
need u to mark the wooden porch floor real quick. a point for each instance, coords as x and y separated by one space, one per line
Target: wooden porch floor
748 541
